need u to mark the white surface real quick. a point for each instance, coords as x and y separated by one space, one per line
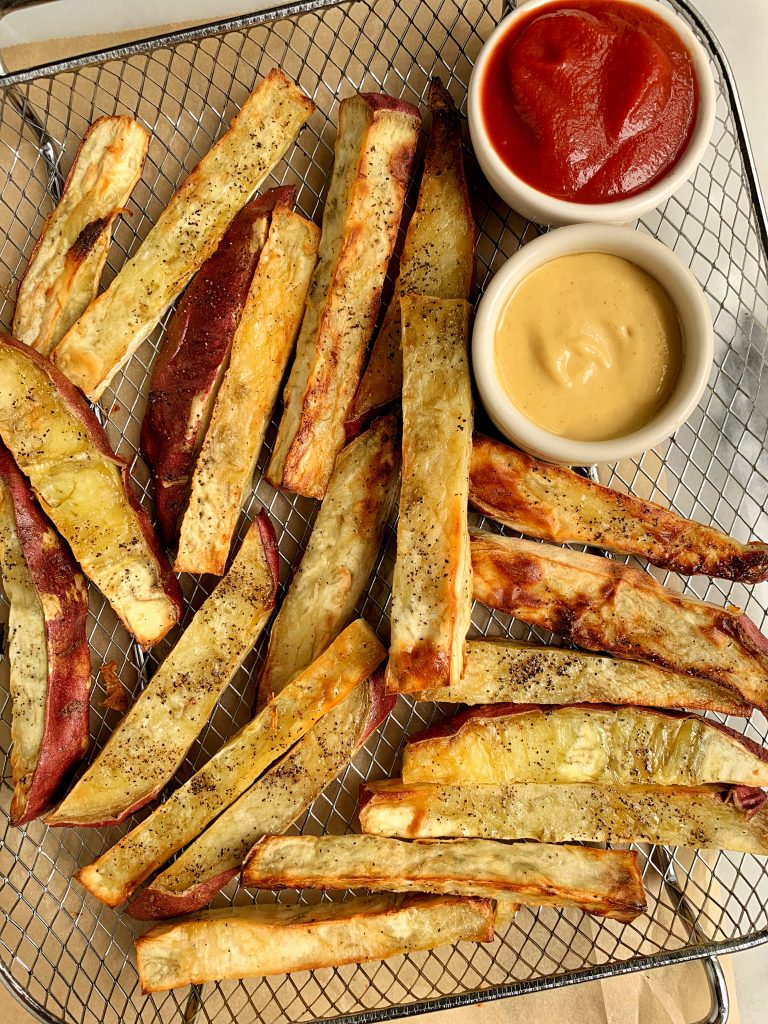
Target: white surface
741 27
61 18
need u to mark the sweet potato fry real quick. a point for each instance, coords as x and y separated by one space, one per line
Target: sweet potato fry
150 742
554 503
262 345
706 818
510 743
327 585
185 235
268 807
431 590
317 690
246 942
607 606
194 354
65 267
375 146
603 882
50 666
339 557
84 487
438 255
497 671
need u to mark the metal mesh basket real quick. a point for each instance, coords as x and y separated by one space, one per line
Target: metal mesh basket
68 957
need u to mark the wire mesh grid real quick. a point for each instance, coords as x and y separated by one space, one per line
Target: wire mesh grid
72 958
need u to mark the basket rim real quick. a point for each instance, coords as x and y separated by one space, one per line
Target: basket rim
241 23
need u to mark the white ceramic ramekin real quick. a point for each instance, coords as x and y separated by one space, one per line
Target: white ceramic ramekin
545 209
695 320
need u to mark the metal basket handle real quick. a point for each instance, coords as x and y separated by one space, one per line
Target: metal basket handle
715 976
48 149
718 987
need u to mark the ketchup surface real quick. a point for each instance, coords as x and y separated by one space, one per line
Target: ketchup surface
590 100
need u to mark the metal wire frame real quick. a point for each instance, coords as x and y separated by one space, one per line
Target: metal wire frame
70 959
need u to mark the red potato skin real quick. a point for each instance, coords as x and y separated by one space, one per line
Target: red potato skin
55 573
489 711
153 905
382 101
381 704
196 345
271 553
748 799
269 541
77 404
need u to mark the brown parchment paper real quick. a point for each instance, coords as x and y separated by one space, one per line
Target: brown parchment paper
31 55
675 995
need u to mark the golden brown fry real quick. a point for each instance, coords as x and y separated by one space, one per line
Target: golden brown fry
84 487
613 746
604 882
554 503
262 345
193 356
150 742
185 235
268 807
431 590
438 255
246 942
496 671
704 818
292 713
339 557
65 267
375 146
604 605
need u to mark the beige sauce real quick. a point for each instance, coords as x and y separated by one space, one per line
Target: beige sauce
589 346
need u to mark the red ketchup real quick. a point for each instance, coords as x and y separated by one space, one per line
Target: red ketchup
590 100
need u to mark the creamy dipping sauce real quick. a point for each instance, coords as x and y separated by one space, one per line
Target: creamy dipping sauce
589 346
